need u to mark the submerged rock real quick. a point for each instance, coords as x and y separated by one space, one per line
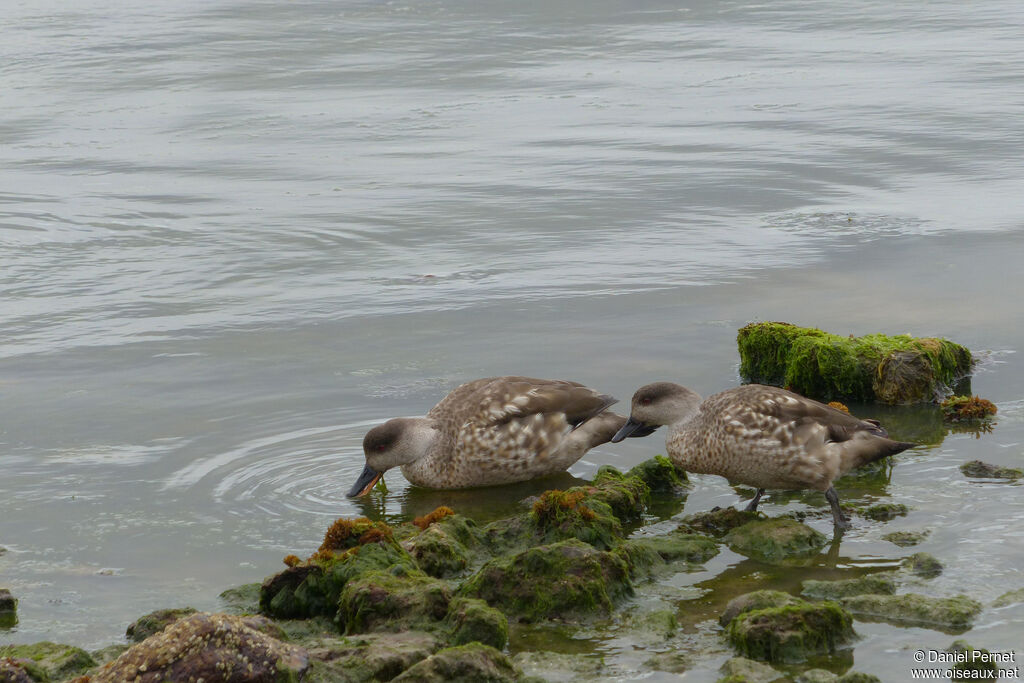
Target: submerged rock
54 660
925 565
881 512
748 602
743 670
558 666
212 647
154 622
875 367
470 663
878 584
954 615
8 609
1009 598
568 578
774 540
905 539
983 470
676 546
791 633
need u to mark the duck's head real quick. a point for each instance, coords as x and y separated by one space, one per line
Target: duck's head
657 404
397 442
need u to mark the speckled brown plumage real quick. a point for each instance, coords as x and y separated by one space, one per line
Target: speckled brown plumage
496 430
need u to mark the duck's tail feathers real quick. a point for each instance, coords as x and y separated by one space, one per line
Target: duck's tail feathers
858 452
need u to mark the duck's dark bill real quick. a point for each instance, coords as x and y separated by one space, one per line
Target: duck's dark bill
633 428
365 482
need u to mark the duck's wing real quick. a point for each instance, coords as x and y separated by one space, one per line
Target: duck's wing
504 399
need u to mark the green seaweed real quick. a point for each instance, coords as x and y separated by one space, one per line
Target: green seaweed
775 540
791 633
952 615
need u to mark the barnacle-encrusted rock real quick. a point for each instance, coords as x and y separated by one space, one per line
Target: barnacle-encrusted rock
154 622
472 620
984 470
8 609
54 660
392 600
212 647
952 615
890 369
879 584
774 540
791 633
472 663
748 602
568 578
13 670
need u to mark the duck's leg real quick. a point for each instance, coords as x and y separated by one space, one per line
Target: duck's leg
752 507
841 522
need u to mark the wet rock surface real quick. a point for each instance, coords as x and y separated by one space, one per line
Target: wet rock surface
154 622
982 470
54 660
775 540
879 584
8 609
952 615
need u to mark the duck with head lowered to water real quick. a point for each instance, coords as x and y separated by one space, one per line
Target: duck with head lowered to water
760 436
497 430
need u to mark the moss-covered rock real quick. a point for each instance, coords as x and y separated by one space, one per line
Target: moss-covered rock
642 560
55 660
470 663
719 521
925 565
1009 598
560 666
983 470
392 600
858 677
890 369
739 669
748 602
684 547
973 660
877 584
438 550
559 515
154 622
210 647
314 587
244 599
661 475
881 512
817 676
8 609
906 539
471 620
775 540
791 633
568 578
952 615
369 657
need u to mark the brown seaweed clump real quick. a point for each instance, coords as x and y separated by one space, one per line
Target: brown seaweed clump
556 505
292 561
350 533
437 515
967 409
838 406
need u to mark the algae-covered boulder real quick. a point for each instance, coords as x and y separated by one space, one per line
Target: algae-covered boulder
661 475
559 515
775 540
154 622
212 647
472 663
791 633
878 584
817 676
875 367
952 615
443 547
743 670
881 512
642 560
925 565
472 620
8 609
1009 598
748 602
973 660
626 494
392 600
52 659
568 578
983 470
907 538
244 599
719 521
681 546
368 657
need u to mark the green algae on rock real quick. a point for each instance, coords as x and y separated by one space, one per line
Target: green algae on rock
661 475
56 661
951 615
983 470
880 584
974 660
748 602
470 663
472 620
1009 598
774 540
743 670
906 538
676 546
559 515
924 565
568 578
881 512
967 409
244 599
791 633
8 609
367 657
445 547
154 622
719 521
874 367
20 671
393 600
210 647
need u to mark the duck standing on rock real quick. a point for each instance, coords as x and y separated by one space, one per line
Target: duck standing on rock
498 430
760 436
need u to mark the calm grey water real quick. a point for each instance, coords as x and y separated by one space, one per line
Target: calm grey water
234 235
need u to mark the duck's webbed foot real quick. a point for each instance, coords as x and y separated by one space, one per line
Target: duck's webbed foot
752 506
840 520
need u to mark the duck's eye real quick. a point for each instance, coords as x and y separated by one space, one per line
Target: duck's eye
645 401
381 447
